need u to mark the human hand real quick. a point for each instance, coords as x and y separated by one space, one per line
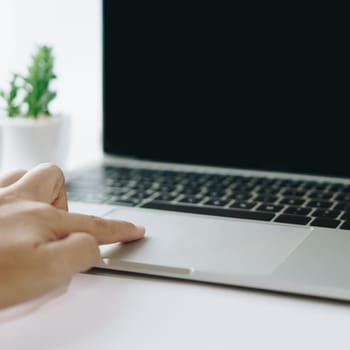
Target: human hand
42 245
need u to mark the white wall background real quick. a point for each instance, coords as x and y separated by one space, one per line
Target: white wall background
73 29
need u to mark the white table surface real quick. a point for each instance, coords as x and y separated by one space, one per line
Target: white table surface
122 311
125 311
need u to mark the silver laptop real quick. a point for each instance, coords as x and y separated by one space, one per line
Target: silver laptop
223 139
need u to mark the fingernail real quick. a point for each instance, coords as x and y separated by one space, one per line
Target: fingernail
140 229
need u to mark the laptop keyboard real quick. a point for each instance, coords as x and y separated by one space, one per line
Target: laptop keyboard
299 202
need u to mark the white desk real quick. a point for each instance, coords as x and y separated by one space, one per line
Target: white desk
137 312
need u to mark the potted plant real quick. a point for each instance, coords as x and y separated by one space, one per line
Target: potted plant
31 134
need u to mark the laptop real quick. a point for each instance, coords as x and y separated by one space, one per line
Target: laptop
223 135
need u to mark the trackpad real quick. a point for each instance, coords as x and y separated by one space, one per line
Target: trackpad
191 242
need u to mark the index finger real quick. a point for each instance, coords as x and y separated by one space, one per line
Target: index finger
104 230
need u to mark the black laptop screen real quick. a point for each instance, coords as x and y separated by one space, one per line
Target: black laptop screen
222 86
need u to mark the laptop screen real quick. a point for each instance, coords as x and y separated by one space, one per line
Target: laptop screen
231 87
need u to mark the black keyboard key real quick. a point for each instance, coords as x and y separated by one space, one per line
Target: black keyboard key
319 204
326 213
318 195
268 191
270 208
346 189
191 199
343 198
293 183
292 219
297 211
345 226
241 196
294 193
217 202
216 194
265 182
346 216
167 197
232 213
266 199
191 191
342 206
321 186
308 185
322 222
141 194
336 187
245 188
292 201
243 205
169 189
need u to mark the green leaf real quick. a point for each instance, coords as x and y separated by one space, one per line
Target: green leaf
12 109
37 82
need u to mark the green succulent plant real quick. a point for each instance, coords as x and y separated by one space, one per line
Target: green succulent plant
34 87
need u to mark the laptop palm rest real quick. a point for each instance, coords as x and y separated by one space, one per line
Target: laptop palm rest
183 244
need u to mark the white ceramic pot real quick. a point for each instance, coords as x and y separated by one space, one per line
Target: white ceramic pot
27 142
